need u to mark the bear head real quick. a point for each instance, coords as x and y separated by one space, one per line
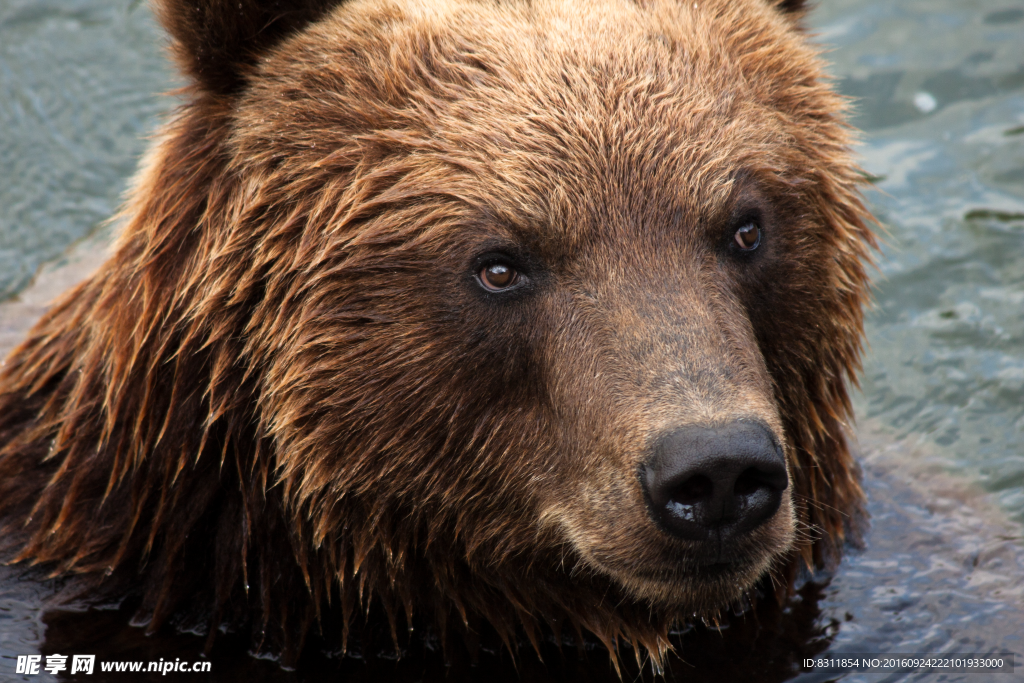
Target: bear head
521 312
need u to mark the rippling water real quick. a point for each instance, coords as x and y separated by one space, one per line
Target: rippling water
79 88
940 88
940 98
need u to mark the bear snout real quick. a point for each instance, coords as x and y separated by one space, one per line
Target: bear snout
714 482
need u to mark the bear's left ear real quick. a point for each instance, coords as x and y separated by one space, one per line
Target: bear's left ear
795 7
214 40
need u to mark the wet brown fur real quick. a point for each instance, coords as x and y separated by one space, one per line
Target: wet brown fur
285 392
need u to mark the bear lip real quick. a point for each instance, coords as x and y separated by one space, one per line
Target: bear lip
697 587
677 567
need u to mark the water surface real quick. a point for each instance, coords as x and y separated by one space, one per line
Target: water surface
940 95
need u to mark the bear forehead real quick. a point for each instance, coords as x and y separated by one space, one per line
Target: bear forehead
646 109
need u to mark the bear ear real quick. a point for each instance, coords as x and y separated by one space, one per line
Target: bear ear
215 39
794 7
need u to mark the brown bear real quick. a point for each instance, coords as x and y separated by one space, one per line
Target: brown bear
525 314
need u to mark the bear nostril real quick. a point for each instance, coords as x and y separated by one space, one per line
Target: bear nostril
747 483
754 479
723 480
693 490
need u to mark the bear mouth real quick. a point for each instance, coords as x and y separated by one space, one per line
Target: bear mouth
695 588
667 562
676 570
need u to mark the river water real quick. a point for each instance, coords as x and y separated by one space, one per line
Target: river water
939 88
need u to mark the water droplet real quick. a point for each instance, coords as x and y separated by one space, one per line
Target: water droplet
925 102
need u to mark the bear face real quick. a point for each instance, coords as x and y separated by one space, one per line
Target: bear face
415 301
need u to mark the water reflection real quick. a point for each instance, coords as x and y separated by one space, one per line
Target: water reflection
767 646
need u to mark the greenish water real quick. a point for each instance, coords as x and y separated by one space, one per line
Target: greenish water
939 88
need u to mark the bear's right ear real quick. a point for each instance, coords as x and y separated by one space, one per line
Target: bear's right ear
215 39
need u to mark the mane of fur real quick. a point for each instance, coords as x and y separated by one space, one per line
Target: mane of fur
177 427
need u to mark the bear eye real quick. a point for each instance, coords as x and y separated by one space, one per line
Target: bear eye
748 237
498 276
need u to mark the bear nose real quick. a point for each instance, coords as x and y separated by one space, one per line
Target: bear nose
707 480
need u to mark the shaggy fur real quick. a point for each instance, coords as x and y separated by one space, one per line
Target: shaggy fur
286 391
